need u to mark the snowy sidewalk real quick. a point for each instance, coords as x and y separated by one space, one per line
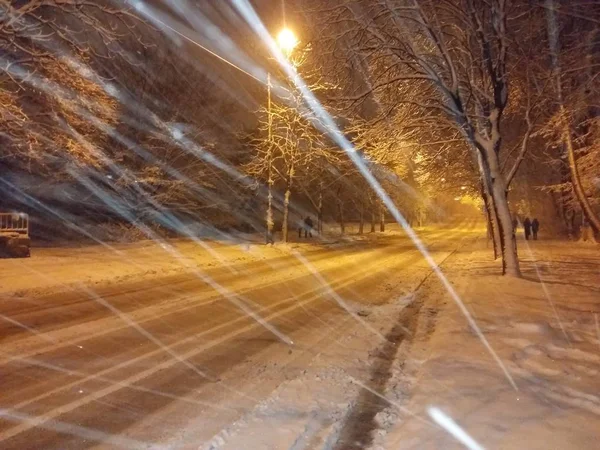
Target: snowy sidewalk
545 331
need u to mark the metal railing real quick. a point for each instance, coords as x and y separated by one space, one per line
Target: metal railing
14 223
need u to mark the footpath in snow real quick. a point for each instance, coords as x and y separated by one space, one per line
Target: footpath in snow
545 331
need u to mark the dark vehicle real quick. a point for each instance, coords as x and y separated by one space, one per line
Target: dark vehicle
14 235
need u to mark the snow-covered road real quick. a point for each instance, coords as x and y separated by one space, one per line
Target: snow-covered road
180 350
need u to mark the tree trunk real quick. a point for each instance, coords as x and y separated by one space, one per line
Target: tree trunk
570 223
582 199
361 223
495 223
586 234
508 244
286 208
488 201
269 218
372 218
558 207
269 233
381 218
341 217
320 209
286 202
492 221
565 207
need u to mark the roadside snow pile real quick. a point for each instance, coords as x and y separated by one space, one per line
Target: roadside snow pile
544 329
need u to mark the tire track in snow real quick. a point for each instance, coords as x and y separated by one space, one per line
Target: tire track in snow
359 425
81 330
325 436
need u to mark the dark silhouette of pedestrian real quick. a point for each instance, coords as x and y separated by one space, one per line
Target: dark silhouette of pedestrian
527 227
308 225
535 226
586 232
269 238
515 224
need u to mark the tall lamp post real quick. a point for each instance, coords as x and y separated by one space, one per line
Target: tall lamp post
286 40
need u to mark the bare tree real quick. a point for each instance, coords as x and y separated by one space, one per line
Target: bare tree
573 110
455 55
291 144
48 85
92 89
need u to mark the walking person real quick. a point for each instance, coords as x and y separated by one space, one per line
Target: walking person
535 226
308 225
269 238
586 233
527 228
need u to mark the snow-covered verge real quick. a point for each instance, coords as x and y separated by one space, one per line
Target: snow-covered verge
55 269
60 268
544 329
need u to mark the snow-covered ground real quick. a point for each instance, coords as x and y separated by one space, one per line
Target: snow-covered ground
545 331
169 347
134 349
364 394
55 269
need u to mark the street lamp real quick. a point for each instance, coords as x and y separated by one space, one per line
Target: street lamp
286 40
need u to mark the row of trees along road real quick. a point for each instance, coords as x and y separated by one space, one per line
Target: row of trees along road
438 96
468 65
92 102
290 146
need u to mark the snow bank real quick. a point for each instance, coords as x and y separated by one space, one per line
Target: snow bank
544 329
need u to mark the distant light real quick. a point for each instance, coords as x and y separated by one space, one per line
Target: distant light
443 179
463 188
286 39
457 198
110 177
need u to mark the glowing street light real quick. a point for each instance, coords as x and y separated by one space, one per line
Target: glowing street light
287 40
